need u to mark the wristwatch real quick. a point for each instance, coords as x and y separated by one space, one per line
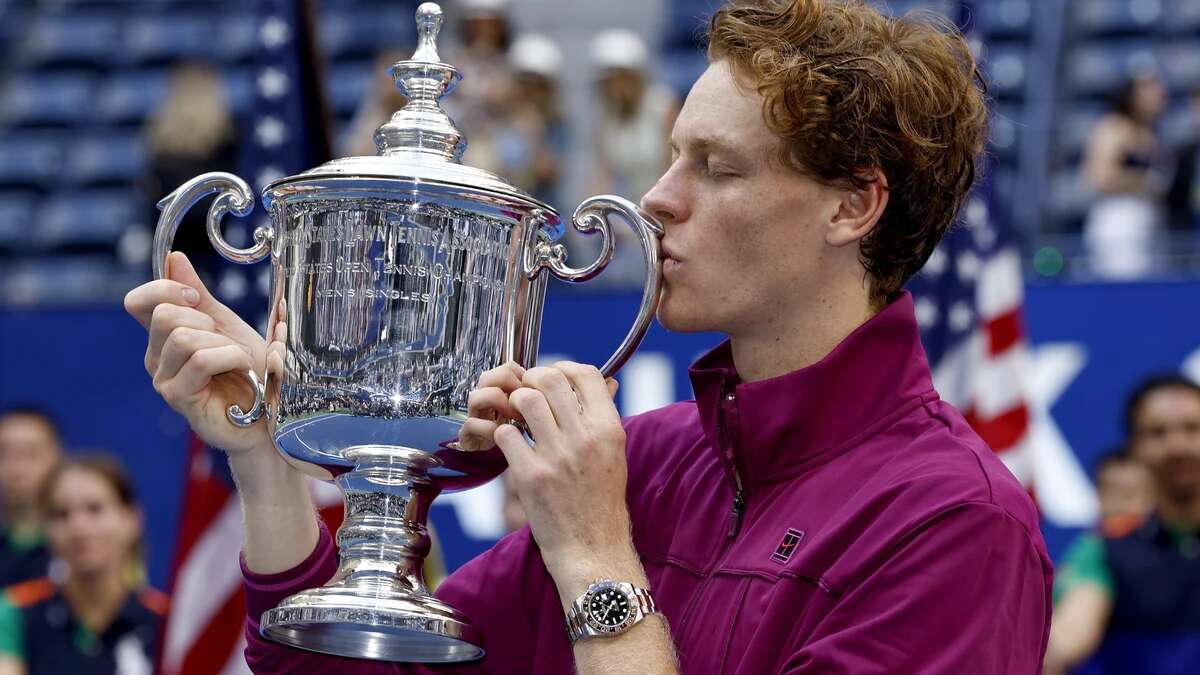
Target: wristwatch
608 608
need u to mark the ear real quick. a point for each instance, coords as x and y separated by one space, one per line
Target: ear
859 210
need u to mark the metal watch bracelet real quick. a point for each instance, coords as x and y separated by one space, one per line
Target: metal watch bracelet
578 626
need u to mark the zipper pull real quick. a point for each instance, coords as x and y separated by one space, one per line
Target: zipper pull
735 517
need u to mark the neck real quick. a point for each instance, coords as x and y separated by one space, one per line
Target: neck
781 346
95 599
1181 510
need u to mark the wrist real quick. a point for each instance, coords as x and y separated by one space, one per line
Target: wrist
573 576
265 478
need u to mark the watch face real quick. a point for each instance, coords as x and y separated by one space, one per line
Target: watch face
609 609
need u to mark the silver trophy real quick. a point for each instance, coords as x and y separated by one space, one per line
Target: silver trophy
396 281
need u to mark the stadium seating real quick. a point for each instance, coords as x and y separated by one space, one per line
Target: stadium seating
116 159
1115 17
46 99
16 219
92 219
31 160
129 96
71 40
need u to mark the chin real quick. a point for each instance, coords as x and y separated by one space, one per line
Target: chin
683 321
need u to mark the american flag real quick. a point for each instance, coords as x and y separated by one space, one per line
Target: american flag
285 135
969 301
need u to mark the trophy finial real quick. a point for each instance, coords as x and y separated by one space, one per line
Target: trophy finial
422 126
429 24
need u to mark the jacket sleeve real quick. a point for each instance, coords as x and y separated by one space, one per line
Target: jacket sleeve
968 591
503 592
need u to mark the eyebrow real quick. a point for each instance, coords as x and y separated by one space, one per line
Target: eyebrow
717 144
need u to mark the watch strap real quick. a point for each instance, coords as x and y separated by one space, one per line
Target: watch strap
642 605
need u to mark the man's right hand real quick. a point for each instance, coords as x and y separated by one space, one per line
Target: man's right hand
198 353
488 406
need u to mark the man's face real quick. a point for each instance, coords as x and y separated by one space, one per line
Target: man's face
744 239
1166 437
28 451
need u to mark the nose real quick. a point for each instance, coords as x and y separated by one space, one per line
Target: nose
667 201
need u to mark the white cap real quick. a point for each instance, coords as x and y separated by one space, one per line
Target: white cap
535 53
619 48
483 8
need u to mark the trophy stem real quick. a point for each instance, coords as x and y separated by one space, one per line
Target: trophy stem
377 605
384 539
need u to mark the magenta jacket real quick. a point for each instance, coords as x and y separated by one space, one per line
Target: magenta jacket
837 519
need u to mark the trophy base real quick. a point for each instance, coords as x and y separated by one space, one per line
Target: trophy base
389 626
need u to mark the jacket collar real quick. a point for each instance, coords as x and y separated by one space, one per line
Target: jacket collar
777 427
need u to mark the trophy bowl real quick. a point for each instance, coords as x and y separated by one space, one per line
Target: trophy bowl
396 280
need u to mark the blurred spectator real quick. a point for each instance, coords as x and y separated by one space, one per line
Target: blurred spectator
636 116
1124 487
525 140
1131 595
1183 196
95 615
382 100
482 58
30 447
1126 494
1124 163
192 132
632 137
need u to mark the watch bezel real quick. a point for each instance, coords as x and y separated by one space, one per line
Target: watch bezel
595 623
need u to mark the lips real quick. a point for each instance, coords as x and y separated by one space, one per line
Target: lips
669 254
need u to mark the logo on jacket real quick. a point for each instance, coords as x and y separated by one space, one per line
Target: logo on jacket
787 546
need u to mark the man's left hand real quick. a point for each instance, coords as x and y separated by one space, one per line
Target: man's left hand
571 481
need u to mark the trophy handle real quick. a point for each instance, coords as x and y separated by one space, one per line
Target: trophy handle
592 215
233 196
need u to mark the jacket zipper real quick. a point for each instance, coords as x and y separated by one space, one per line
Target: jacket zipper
735 517
735 514
739 496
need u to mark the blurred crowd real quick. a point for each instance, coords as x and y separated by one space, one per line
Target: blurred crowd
75 596
1127 594
509 104
1145 189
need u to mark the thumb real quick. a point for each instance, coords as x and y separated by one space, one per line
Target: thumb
613 385
180 269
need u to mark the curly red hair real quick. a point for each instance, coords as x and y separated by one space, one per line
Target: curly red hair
848 90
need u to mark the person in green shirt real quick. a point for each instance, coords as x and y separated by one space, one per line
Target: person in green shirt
30 447
1131 591
95 616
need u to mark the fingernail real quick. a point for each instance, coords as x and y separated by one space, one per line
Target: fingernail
190 296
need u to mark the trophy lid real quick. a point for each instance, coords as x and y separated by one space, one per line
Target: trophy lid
420 143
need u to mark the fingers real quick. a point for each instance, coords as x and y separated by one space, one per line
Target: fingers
477 434
164 320
180 270
141 301
533 407
558 393
488 406
490 403
516 450
181 344
506 376
200 368
595 393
